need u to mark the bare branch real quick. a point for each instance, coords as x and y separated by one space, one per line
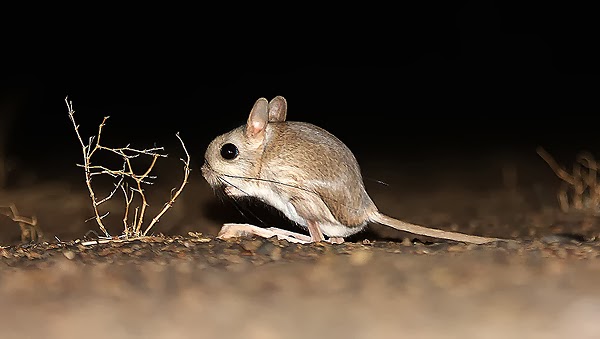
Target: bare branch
72 117
30 229
558 170
110 195
121 151
87 153
186 174
580 189
128 200
126 176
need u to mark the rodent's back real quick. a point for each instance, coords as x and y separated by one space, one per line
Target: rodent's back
309 156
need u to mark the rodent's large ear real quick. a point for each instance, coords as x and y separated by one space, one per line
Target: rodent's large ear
277 109
258 119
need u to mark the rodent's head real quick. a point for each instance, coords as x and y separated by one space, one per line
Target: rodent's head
237 153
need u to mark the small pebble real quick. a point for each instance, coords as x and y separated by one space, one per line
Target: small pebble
276 254
33 255
251 245
266 248
509 245
561 239
69 254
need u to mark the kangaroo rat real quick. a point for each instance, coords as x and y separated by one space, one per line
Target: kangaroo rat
303 171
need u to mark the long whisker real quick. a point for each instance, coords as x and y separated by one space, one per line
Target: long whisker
377 181
284 184
257 179
238 206
232 185
221 178
272 182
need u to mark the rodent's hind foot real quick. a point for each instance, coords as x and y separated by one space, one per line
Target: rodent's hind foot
234 230
335 240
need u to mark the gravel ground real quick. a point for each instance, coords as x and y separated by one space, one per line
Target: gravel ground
381 284
196 285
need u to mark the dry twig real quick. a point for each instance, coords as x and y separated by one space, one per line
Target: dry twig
125 175
580 190
30 230
174 192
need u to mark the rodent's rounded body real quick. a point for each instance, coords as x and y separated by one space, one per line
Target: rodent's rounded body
303 171
324 168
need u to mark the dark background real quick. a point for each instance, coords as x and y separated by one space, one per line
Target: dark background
401 83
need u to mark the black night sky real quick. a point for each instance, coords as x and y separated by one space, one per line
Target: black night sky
468 79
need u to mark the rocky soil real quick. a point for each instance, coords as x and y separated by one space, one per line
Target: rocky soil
183 282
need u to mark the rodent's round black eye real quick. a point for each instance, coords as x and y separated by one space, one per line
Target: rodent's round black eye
229 151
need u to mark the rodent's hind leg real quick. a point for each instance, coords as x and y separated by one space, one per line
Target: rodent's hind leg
234 230
315 231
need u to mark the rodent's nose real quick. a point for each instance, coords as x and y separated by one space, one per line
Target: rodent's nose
205 169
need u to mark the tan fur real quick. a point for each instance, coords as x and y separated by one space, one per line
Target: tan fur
306 155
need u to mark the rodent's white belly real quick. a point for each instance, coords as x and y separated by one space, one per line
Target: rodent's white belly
283 205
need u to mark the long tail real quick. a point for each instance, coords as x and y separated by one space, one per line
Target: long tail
381 218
